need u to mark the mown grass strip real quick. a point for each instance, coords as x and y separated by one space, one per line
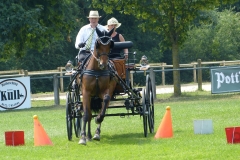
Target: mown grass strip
122 138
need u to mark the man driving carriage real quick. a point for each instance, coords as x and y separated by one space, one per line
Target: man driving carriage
87 36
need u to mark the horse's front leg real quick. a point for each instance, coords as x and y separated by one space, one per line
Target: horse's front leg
101 116
87 116
89 134
83 133
97 133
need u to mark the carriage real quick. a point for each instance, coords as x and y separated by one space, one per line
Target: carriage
134 101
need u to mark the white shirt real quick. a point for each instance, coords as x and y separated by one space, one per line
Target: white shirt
84 33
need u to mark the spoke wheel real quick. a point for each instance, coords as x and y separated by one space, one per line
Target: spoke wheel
77 119
150 104
78 125
69 116
144 114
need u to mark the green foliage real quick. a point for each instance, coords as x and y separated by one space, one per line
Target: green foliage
169 18
216 39
34 24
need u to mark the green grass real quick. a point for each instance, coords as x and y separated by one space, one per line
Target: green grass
122 138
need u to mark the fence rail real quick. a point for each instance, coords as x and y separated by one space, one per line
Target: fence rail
193 66
60 71
163 68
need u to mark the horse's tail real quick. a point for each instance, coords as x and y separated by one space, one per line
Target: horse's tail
96 104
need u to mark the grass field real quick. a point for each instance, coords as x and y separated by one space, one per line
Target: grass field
122 138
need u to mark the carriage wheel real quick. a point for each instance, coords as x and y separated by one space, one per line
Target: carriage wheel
144 113
69 116
77 119
77 122
78 125
150 104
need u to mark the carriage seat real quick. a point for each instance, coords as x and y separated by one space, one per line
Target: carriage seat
120 67
119 62
123 45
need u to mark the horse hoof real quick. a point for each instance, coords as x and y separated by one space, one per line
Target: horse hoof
82 141
96 137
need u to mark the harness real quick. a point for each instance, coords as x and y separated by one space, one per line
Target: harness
104 40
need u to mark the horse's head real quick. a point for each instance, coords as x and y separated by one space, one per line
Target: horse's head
103 47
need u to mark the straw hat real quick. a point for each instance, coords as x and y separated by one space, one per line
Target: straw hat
113 21
94 14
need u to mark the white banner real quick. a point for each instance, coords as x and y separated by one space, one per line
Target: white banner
15 93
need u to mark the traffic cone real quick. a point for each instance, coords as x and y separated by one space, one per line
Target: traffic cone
165 128
40 136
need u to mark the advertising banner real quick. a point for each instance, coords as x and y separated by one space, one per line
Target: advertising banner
15 93
224 80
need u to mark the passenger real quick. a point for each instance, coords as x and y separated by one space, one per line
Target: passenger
87 36
116 37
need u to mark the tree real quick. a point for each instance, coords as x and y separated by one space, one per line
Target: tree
217 38
171 19
34 24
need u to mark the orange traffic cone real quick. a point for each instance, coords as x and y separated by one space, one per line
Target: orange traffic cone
165 128
40 136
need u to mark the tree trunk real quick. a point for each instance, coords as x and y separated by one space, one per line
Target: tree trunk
176 73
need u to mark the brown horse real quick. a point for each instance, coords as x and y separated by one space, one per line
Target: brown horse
97 85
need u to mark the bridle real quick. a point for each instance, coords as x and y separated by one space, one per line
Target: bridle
100 40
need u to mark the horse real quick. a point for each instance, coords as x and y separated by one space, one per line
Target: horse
97 85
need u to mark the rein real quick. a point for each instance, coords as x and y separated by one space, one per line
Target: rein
97 59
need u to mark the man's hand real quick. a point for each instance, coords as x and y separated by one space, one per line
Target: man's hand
125 56
81 45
